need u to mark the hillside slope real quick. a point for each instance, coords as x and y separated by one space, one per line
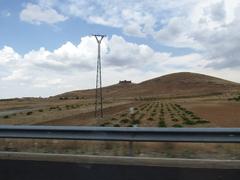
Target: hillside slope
176 84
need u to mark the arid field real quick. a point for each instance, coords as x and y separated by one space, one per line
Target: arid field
175 100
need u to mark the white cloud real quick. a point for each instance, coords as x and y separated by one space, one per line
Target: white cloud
72 67
217 11
37 14
8 55
208 27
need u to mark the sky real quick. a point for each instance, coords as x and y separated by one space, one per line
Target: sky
46 47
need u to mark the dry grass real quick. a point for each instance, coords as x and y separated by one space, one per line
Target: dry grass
170 150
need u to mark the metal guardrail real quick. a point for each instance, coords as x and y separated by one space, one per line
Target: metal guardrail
206 135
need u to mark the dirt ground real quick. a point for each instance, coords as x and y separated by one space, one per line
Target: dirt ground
217 110
207 112
220 113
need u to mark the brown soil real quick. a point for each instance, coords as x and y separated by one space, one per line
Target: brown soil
221 114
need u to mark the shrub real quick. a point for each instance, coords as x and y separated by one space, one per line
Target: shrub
189 122
189 112
150 119
123 115
29 113
174 119
135 121
40 110
116 125
6 117
177 125
162 124
104 124
125 121
161 118
153 114
63 98
196 118
202 121
52 108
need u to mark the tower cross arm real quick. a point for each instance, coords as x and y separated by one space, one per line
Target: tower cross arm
99 37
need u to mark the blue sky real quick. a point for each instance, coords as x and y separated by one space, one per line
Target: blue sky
46 47
24 37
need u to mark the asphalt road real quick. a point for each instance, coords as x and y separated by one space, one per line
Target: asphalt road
43 170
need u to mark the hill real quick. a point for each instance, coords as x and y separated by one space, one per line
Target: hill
171 85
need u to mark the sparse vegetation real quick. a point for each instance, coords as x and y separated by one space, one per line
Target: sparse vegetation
236 98
161 115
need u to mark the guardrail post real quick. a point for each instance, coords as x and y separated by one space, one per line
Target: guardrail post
130 148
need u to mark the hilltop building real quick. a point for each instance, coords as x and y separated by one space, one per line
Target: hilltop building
125 82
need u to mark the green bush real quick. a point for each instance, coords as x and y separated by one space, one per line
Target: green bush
6 117
40 110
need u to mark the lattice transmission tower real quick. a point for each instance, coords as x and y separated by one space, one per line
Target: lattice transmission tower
99 96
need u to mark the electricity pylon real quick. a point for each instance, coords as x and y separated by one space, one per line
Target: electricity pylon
99 97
